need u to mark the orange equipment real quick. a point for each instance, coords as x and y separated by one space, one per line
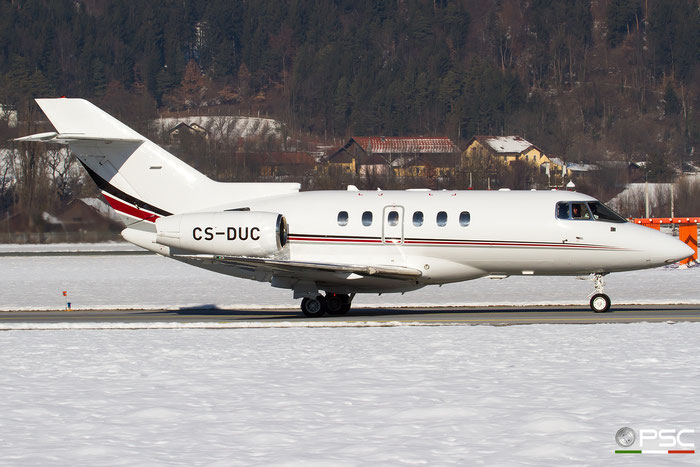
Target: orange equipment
687 230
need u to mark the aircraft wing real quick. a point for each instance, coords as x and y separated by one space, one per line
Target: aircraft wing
67 138
301 269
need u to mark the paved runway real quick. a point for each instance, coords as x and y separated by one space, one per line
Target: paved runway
461 315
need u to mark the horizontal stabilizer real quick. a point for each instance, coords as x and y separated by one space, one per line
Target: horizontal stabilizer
80 117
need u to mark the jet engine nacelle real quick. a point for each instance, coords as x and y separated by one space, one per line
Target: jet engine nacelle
230 233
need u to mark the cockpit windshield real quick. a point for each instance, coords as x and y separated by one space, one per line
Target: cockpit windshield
591 210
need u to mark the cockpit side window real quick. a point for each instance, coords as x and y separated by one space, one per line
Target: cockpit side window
580 211
603 213
563 210
594 210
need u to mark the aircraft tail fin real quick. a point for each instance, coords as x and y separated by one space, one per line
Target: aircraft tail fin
139 179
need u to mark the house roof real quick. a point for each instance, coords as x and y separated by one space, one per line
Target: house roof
193 128
504 144
557 161
404 145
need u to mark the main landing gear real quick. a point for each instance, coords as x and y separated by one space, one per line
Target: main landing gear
600 302
333 304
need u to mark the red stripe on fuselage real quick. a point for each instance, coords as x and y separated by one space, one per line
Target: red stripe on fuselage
122 207
328 239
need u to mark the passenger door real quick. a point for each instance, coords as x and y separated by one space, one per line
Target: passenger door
392 225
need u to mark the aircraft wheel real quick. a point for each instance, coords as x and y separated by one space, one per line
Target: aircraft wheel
600 303
345 309
313 307
338 304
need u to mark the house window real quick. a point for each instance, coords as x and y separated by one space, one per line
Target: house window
393 218
367 218
464 218
418 218
441 219
343 218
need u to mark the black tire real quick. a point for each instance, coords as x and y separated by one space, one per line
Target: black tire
345 309
600 303
313 307
334 304
337 304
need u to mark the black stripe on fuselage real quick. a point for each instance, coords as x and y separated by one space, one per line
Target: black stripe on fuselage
117 193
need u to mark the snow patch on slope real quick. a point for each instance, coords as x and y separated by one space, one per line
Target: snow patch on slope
227 126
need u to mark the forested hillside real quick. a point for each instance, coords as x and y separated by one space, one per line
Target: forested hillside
371 66
583 79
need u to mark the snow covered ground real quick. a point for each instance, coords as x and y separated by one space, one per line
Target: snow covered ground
107 247
447 395
402 395
154 282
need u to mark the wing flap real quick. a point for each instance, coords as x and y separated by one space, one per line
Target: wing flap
296 267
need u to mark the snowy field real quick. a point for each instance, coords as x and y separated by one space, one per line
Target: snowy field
154 282
107 247
402 395
448 395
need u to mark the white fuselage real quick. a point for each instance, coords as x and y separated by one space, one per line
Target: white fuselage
509 233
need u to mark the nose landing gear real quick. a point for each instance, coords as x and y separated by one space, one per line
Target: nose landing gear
333 304
600 302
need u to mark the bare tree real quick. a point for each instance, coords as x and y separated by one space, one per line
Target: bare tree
32 187
7 176
484 169
62 172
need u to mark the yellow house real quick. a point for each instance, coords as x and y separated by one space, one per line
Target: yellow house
344 161
506 148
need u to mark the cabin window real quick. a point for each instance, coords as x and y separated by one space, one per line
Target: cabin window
367 218
418 218
441 219
343 218
464 218
393 218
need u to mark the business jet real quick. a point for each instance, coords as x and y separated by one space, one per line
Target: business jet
327 246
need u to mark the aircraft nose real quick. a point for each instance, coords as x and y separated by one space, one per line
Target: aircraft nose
675 250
